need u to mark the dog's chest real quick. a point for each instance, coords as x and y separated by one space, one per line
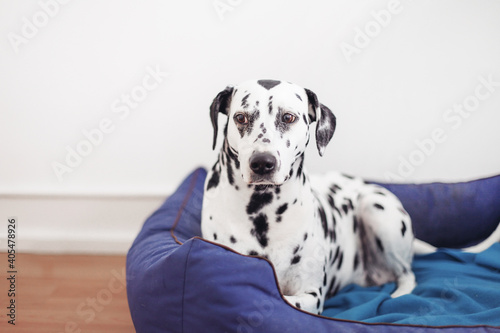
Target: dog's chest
256 220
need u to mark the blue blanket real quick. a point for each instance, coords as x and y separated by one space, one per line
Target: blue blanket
454 288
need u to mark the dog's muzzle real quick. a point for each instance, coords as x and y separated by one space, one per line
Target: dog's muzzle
262 165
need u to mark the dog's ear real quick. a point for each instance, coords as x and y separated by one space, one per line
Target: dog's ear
220 104
326 122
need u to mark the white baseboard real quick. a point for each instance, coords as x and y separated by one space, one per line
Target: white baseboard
75 224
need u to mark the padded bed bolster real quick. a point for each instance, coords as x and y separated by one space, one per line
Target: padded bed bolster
453 215
156 263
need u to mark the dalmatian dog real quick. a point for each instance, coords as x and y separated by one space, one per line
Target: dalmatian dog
320 233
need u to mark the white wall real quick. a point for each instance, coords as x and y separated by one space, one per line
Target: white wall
392 72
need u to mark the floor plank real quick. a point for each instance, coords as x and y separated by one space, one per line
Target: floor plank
66 294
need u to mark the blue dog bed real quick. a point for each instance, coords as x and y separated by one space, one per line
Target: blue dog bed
178 282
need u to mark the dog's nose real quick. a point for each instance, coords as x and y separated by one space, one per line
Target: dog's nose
262 163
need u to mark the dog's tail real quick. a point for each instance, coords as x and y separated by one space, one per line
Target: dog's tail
421 247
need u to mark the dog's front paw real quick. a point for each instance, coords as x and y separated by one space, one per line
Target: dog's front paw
405 285
311 302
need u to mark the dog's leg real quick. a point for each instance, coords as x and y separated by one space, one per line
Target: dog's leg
405 284
387 240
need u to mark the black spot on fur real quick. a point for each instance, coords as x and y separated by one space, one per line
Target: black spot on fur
297 305
253 253
341 258
345 208
244 101
356 261
312 293
349 203
301 165
266 140
258 200
215 236
298 96
378 206
214 180
261 227
223 156
270 104
403 228
277 190
347 176
304 118
268 84
379 192
318 304
296 249
252 117
322 215
230 176
355 224
330 292
288 143
282 209
331 201
324 279
379 244
232 155
332 234
305 236
295 260
232 240
334 188
336 255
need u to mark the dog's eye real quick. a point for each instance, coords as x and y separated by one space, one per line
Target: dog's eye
241 118
288 118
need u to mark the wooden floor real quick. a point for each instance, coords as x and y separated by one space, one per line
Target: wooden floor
66 294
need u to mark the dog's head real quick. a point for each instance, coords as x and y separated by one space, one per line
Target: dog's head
268 127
